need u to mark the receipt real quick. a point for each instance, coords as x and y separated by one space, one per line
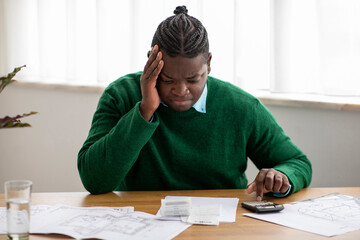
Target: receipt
175 207
203 214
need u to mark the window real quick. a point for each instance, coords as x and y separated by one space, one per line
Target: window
292 46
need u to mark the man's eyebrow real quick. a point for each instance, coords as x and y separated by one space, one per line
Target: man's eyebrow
166 75
194 76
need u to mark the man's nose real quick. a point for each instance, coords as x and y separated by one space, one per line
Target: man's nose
180 89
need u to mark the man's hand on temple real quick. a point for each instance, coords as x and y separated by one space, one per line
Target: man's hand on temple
150 96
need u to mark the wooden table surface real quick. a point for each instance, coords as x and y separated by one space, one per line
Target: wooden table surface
149 202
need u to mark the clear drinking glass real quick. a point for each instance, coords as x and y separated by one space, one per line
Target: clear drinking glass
17 197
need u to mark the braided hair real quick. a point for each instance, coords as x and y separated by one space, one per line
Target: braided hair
182 35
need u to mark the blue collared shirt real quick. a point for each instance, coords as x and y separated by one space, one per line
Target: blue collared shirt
200 105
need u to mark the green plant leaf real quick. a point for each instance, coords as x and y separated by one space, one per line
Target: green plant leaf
14 125
4 81
11 122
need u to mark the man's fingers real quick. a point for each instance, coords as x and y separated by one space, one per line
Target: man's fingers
150 65
251 188
285 186
159 68
260 178
151 75
278 182
150 95
269 180
156 67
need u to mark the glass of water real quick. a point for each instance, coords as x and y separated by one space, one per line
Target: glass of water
17 197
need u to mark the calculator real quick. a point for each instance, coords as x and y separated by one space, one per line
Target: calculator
262 206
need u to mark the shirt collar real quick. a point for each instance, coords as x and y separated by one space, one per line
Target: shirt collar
200 105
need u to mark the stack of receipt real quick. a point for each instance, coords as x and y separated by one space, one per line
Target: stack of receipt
208 214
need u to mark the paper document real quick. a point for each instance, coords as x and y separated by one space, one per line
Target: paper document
203 214
3 220
34 211
174 207
227 210
328 215
98 222
105 223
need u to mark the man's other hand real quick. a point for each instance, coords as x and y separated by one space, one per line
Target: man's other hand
268 180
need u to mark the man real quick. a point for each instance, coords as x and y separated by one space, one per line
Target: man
174 127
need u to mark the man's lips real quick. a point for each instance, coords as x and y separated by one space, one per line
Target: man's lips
180 101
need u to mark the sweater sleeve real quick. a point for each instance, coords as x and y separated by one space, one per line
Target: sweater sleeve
270 147
113 144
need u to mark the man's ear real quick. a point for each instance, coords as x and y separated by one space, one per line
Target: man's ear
208 62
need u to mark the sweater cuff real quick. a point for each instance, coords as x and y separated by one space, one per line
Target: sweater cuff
153 118
280 195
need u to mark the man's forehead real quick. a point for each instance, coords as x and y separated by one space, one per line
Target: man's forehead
186 74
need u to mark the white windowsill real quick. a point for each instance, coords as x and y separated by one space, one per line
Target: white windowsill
309 101
61 86
272 99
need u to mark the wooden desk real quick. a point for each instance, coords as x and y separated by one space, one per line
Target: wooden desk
244 227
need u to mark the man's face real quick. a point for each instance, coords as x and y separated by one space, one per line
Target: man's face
182 81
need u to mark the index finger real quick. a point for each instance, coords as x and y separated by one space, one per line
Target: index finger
260 185
251 188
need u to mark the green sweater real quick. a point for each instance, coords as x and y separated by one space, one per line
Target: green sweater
184 150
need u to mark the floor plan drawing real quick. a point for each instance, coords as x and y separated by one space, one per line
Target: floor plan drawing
89 225
333 207
328 215
39 209
34 211
105 223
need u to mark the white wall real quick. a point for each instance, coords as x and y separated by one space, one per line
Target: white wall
331 140
47 152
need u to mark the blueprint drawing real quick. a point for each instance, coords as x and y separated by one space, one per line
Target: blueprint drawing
105 223
329 215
